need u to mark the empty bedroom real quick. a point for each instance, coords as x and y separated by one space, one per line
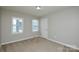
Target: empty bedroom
39 28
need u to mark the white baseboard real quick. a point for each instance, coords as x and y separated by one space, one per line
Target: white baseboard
43 37
20 40
67 45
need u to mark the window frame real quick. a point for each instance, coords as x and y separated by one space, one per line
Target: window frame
37 25
12 25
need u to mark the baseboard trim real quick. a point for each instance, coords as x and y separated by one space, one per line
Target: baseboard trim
19 40
67 45
64 44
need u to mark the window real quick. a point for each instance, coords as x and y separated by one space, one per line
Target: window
35 25
17 25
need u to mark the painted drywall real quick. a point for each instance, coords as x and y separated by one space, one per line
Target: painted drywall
44 27
63 26
0 28
6 22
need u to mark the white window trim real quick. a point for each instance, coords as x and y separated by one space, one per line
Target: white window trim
22 26
38 26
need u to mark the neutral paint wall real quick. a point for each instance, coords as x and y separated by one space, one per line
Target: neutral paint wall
7 35
63 26
0 28
44 27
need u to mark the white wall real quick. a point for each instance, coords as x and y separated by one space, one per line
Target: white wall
63 26
0 26
44 27
6 22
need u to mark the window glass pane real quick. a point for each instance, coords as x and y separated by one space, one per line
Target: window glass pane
14 21
34 25
14 28
17 25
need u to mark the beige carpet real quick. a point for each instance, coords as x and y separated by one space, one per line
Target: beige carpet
35 45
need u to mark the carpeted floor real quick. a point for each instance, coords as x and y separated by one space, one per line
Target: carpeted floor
36 45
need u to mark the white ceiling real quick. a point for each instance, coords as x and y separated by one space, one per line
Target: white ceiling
32 9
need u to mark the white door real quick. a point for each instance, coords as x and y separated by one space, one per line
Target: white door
44 27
